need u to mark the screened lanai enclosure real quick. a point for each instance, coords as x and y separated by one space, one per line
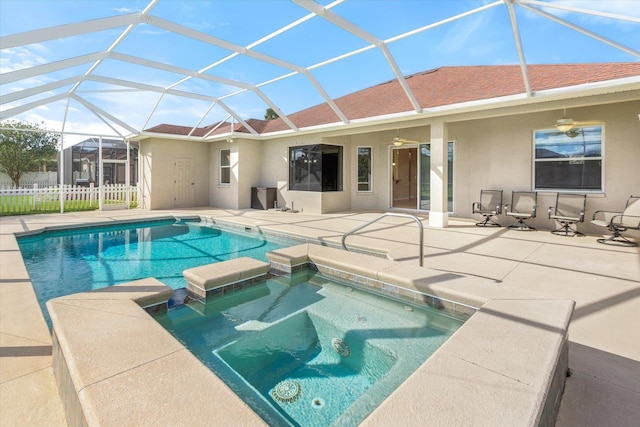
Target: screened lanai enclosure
118 71
82 162
426 102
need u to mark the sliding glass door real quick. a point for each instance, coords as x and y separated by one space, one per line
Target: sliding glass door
425 176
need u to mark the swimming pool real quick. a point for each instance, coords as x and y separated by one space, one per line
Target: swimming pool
307 350
63 262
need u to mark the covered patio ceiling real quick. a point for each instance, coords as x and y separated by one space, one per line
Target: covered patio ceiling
115 73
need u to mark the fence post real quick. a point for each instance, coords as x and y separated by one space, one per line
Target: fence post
34 199
92 194
61 192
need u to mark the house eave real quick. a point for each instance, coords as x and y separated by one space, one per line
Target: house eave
626 84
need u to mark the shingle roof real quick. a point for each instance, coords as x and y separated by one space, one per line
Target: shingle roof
434 88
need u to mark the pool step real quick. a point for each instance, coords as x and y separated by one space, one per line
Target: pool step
220 277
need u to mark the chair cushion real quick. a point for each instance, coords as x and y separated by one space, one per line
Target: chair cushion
565 218
519 215
600 222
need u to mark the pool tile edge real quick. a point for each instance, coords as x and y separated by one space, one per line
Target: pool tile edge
160 371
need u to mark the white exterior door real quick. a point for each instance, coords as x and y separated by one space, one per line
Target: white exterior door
183 183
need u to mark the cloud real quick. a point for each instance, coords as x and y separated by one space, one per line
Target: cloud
18 58
459 35
625 8
123 10
618 7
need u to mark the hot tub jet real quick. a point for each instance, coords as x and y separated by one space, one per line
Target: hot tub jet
286 391
341 347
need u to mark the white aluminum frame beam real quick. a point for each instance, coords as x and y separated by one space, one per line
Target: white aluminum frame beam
251 46
516 36
581 30
366 36
69 30
158 89
197 125
101 113
51 67
129 21
444 21
7 114
149 88
118 40
560 6
215 41
37 90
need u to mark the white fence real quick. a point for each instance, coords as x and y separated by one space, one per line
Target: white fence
29 179
16 201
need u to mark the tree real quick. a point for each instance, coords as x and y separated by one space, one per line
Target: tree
270 114
23 148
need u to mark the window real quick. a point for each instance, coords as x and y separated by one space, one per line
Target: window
364 169
315 168
568 161
225 166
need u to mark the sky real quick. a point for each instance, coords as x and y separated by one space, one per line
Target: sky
299 72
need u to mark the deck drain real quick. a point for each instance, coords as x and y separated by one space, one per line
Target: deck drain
341 347
286 391
317 403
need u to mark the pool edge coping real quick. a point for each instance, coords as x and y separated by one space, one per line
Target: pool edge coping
542 393
559 353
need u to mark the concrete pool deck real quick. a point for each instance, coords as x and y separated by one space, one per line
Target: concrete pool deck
604 349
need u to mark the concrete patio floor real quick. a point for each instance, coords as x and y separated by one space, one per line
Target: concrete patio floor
604 351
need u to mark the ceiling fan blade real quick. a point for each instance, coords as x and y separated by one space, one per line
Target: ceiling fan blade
405 140
586 123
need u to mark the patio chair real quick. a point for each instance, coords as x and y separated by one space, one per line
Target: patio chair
569 210
523 206
490 205
617 222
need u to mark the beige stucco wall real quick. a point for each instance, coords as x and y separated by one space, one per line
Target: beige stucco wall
158 158
490 153
275 172
246 167
250 170
381 142
497 153
146 177
223 195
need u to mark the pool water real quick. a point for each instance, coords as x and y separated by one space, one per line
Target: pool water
307 350
64 262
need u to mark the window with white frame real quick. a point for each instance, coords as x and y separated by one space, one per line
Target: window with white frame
365 170
569 161
225 166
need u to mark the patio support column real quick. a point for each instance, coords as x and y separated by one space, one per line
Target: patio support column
438 213
127 176
100 176
61 188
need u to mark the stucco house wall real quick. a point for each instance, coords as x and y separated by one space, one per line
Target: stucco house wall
275 171
223 195
250 170
497 153
158 167
493 150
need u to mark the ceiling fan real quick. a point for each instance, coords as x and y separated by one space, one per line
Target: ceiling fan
566 125
397 141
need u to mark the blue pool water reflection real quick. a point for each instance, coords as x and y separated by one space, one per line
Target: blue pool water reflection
68 261
307 350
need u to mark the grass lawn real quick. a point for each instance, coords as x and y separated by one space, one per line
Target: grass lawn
25 205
